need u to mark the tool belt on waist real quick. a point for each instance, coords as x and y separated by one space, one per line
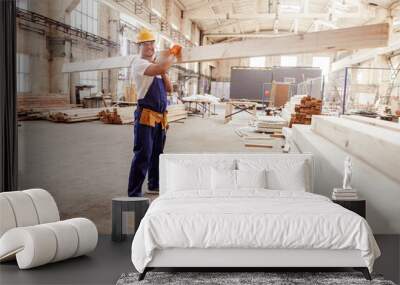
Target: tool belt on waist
151 118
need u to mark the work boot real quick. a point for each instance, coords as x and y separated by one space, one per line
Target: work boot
154 191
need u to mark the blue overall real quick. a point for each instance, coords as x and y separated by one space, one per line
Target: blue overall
148 141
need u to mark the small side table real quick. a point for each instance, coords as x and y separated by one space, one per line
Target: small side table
357 206
139 205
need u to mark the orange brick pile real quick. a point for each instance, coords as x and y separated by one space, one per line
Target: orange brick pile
118 116
308 106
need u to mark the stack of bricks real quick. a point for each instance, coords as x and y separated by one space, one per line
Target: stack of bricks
119 116
308 106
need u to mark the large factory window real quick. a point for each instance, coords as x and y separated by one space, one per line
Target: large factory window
85 16
23 73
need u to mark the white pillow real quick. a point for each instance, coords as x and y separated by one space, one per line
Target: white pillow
290 179
184 177
282 174
223 179
251 178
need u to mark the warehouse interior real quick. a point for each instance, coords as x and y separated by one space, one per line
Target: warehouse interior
254 77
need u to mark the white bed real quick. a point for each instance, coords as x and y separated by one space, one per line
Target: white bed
232 226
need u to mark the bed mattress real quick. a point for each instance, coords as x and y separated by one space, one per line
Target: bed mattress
250 219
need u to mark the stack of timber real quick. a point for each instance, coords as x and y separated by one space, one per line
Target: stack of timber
251 138
74 115
42 101
39 113
289 107
269 124
176 112
303 112
117 115
33 107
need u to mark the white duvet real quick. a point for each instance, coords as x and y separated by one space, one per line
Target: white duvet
250 219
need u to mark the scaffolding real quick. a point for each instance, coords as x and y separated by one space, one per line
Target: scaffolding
140 10
313 87
183 77
371 90
44 21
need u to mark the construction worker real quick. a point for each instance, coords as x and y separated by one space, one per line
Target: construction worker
152 84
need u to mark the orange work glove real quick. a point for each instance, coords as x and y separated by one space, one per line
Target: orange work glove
175 50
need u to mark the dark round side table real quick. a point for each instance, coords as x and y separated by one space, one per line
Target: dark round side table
120 205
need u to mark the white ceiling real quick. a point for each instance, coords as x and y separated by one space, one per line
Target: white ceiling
280 17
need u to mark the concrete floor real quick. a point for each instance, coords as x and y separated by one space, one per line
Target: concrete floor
105 265
102 266
85 165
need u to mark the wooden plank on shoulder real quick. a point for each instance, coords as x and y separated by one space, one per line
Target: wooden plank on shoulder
369 36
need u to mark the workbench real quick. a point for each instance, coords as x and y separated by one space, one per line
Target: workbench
93 102
123 103
243 106
201 107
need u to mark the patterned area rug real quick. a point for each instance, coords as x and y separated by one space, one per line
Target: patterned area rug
243 278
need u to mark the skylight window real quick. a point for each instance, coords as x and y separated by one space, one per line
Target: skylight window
322 62
289 8
287 60
257 61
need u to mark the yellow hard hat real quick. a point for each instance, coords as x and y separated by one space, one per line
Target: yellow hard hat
145 35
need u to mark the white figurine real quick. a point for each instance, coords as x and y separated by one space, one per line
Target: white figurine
347 173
